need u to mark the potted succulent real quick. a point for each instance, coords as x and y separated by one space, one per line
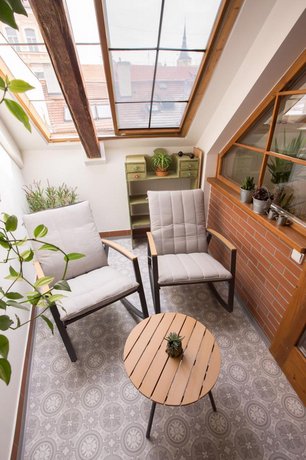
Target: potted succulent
261 200
246 189
161 162
174 345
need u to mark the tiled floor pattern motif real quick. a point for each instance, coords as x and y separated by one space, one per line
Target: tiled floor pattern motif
89 409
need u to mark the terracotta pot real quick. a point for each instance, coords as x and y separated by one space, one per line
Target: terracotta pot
161 172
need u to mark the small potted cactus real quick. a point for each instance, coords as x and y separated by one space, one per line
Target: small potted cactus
174 345
246 189
261 200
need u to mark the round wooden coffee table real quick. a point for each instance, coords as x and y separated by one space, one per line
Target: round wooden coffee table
166 380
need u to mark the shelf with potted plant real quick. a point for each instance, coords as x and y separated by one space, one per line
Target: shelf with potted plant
178 171
288 234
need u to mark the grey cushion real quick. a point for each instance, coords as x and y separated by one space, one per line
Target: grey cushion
71 228
177 221
94 289
190 268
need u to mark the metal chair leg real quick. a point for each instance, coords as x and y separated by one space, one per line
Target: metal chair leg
150 419
63 333
212 401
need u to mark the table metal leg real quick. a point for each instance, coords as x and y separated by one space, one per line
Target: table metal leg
212 401
150 420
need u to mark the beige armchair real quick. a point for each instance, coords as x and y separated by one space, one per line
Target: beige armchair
178 245
93 283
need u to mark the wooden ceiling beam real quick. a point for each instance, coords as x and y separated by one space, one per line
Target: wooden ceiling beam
52 20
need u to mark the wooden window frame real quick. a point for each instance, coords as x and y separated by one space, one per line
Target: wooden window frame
275 95
222 27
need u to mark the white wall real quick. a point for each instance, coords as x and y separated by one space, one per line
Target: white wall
12 201
102 184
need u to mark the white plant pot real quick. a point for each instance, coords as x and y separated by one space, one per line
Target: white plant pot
261 206
246 195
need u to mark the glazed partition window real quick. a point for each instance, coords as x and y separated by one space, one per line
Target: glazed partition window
273 150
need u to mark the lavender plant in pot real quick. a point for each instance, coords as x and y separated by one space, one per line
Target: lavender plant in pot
246 189
261 200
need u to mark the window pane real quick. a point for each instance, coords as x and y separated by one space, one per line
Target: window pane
239 163
133 24
187 24
83 21
133 75
257 134
167 115
133 115
288 181
289 136
175 75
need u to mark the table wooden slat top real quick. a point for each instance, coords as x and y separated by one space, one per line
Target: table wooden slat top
166 380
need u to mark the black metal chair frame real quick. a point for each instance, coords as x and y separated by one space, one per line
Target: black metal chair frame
62 325
153 272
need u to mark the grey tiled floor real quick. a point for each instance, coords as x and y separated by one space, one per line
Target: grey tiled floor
90 410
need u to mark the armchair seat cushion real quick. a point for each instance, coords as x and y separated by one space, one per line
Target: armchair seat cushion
190 268
94 289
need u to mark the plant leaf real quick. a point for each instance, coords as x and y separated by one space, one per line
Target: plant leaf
4 244
43 281
49 323
2 84
11 224
27 255
73 256
4 346
55 297
13 295
13 272
48 247
17 7
14 304
62 286
18 112
5 322
40 231
5 367
7 14
19 86
2 305
17 320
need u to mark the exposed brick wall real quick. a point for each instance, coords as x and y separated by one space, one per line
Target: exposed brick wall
266 275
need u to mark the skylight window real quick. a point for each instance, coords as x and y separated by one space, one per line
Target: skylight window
155 49
136 65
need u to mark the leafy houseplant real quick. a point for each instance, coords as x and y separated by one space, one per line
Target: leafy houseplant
40 198
16 254
246 189
174 345
8 8
161 162
279 168
261 200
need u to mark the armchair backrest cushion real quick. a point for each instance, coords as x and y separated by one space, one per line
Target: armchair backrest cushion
178 221
72 229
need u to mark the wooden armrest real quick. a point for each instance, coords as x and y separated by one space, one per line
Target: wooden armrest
125 252
221 238
151 243
40 274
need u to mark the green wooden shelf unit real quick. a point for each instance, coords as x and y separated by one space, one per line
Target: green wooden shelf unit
185 173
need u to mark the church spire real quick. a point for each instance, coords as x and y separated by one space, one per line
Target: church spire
184 59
